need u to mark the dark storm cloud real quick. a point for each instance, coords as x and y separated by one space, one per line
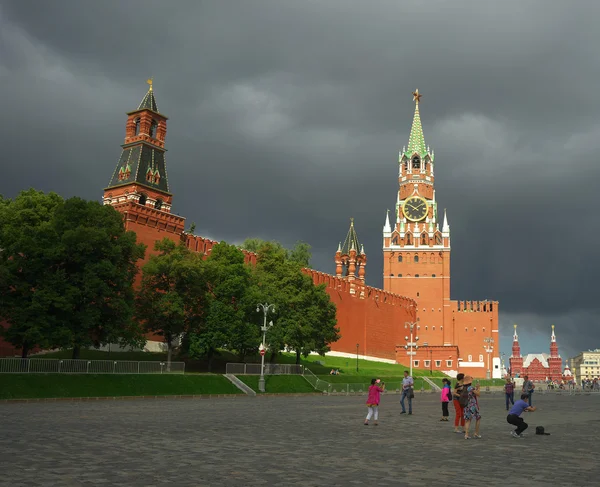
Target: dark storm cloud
286 119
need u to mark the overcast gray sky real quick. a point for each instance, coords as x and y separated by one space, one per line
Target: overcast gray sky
286 118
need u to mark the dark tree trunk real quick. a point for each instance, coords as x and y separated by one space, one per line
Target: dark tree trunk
169 354
210 359
297 357
25 350
76 352
273 357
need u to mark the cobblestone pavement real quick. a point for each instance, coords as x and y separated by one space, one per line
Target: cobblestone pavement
308 441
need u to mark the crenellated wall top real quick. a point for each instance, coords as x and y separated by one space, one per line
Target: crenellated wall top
372 293
476 306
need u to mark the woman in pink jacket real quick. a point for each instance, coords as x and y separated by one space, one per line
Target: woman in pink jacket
375 390
445 397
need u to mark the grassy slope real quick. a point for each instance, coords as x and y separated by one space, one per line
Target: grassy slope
278 383
21 386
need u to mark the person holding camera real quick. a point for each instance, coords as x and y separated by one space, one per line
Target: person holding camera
375 390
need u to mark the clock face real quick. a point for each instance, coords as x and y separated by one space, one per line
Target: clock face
415 208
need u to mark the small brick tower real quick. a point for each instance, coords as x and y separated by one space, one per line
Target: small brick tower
350 262
516 361
554 361
139 187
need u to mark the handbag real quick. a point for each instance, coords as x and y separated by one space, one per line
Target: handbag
411 394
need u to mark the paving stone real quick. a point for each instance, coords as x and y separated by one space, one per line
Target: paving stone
289 441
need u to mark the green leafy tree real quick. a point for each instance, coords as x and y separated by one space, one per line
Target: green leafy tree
27 261
227 306
95 268
171 299
300 253
67 271
306 318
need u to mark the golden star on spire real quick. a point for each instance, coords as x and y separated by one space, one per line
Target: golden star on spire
417 96
149 81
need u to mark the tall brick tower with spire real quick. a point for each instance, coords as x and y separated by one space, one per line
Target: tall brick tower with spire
139 186
416 251
350 262
455 336
516 360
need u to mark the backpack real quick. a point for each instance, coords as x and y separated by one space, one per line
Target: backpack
463 399
539 430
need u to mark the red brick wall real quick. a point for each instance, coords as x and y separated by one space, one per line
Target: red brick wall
375 322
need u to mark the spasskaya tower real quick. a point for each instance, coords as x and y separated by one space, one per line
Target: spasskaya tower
453 335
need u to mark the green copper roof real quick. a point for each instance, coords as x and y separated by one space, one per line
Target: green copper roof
416 140
149 102
351 241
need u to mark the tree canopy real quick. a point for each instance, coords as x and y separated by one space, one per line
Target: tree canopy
66 273
171 300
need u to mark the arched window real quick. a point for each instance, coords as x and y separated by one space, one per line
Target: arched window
432 275
399 258
399 275
395 240
416 275
416 162
143 199
416 259
158 204
137 126
424 239
481 358
153 129
391 275
408 239
438 239
470 358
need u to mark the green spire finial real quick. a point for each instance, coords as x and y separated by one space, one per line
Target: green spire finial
416 140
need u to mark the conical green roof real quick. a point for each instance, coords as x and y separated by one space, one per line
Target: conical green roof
416 140
149 102
351 241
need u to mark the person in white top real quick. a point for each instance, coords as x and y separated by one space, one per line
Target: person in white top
407 392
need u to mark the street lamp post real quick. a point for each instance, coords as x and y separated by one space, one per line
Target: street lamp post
265 308
502 364
489 348
410 344
357 357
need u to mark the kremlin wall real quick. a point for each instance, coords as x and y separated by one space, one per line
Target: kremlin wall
374 323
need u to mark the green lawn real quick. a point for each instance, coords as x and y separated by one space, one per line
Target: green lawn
26 386
278 383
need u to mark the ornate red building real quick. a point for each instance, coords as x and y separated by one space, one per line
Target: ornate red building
537 366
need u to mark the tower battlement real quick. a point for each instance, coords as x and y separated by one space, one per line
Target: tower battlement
477 306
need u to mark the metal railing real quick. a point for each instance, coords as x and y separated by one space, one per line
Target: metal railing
270 369
71 366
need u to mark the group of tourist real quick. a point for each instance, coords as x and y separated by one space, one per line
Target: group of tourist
465 398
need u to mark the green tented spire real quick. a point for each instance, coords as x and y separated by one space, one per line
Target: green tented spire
351 242
416 141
